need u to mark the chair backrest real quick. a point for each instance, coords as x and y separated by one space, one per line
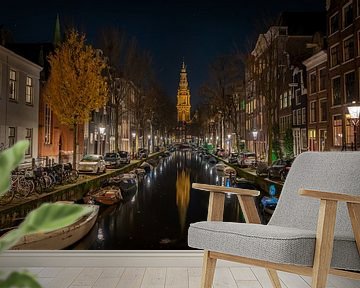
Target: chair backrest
325 171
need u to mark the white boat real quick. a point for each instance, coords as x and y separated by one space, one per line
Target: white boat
60 238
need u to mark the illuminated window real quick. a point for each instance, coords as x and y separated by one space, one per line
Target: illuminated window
29 91
12 136
29 133
337 130
47 125
12 85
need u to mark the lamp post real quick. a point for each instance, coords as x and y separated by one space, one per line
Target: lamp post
133 134
229 141
255 134
354 111
102 133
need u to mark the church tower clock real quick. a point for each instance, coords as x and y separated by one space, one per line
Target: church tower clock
183 97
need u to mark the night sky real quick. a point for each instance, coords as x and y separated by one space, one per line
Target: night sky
197 31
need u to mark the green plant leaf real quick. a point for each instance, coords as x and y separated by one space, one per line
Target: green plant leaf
47 217
19 280
9 160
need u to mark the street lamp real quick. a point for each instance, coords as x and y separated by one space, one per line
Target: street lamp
149 143
354 111
133 134
255 134
102 133
229 140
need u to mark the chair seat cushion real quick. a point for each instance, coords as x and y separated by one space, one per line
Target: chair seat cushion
269 243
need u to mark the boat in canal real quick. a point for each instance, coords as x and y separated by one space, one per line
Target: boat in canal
60 238
108 195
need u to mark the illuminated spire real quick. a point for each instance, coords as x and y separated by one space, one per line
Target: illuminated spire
183 96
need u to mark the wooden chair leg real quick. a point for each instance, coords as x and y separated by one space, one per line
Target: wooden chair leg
208 271
274 278
324 243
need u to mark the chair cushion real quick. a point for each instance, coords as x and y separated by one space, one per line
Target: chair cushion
270 243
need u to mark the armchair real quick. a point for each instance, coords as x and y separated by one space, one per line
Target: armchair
314 231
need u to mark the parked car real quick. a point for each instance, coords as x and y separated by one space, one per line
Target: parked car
246 159
124 157
279 169
112 160
92 163
233 157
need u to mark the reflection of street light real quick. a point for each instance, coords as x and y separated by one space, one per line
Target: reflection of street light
229 139
133 134
217 141
354 111
149 143
255 134
102 132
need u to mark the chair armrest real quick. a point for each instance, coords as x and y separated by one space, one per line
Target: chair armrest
222 189
217 198
323 195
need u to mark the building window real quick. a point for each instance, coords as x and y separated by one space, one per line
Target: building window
322 139
312 139
298 116
350 87
349 133
336 97
349 49
281 101
335 55
294 117
312 111
323 110
29 133
303 112
12 85
348 15
29 91
297 96
337 130
47 125
12 136
303 139
312 83
285 102
334 23
323 76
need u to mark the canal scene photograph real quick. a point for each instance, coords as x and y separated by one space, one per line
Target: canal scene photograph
180 144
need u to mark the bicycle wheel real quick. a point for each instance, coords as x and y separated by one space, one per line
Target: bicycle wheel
24 188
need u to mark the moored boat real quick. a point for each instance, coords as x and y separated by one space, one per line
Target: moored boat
109 195
60 238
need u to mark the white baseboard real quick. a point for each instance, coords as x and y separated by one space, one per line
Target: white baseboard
108 258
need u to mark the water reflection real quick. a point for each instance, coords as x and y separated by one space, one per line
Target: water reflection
159 214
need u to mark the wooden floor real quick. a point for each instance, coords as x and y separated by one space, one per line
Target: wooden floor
143 269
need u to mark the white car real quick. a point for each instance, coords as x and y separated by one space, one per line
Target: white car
92 163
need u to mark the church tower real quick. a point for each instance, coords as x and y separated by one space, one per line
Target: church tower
183 97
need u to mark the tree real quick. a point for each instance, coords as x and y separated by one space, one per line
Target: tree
289 143
76 85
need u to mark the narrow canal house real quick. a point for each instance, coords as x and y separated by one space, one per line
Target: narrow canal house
269 76
19 101
343 51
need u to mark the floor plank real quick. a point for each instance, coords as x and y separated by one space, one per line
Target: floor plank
131 278
154 278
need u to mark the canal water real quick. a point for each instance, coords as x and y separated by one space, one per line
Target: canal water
158 216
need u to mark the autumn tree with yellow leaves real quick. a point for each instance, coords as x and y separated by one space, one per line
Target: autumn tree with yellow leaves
76 85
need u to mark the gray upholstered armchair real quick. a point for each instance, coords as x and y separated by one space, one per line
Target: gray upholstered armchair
314 231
